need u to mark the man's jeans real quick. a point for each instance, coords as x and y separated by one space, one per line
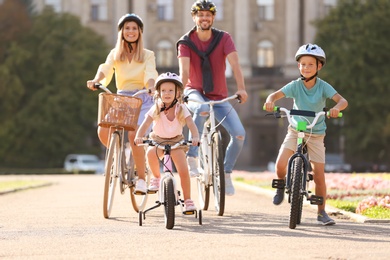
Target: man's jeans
231 123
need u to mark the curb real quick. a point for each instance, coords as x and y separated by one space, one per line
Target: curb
331 210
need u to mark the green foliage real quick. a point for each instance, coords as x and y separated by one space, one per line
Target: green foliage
355 38
47 111
343 204
377 212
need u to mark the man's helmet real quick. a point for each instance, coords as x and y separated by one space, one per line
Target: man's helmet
129 18
203 5
168 77
311 50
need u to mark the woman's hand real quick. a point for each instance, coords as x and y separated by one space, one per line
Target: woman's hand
91 84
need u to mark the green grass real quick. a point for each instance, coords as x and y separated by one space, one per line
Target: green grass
20 184
343 205
377 212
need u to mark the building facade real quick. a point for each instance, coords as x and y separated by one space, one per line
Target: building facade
267 34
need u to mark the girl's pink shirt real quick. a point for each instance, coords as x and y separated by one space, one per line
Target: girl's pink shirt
165 128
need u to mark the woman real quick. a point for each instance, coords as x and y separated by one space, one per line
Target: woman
135 69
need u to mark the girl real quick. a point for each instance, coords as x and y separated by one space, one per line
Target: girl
169 116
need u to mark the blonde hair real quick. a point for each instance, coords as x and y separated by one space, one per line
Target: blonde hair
122 48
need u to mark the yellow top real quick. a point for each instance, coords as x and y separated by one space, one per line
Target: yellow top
129 76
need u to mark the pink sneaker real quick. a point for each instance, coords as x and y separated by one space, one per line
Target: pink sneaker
154 185
189 205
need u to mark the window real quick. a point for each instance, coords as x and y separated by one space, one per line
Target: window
165 10
164 54
328 5
98 10
266 9
219 5
265 54
55 4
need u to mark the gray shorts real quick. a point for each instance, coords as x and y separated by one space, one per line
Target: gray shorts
314 142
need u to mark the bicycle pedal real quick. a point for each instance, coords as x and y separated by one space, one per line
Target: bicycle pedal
316 200
278 183
310 177
152 191
192 212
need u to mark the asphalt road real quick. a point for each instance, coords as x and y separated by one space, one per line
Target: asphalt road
65 221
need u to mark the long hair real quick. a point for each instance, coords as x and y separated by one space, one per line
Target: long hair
122 48
159 104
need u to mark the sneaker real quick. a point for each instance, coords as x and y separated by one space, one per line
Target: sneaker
279 196
154 185
229 188
140 188
324 219
193 166
189 205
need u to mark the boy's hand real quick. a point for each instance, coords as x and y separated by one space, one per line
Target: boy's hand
269 106
334 112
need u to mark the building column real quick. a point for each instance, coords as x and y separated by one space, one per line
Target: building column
242 35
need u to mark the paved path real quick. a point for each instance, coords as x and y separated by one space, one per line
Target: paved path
65 221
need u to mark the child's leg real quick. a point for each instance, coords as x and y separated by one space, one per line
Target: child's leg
319 180
153 160
282 162
179 158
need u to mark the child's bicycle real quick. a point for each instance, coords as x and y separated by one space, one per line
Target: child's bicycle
297 179
211 158
168 194
119 113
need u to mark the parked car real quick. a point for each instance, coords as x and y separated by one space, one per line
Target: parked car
84 162
335 163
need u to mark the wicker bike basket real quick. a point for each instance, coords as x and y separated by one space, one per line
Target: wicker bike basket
118 111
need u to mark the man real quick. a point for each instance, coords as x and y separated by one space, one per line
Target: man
202 54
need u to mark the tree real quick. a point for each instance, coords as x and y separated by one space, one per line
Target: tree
49 112
355 38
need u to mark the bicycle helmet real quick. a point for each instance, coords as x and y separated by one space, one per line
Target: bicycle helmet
203 5
128 18
169 77
311 50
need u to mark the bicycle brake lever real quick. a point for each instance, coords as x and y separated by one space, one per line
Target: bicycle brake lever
185 99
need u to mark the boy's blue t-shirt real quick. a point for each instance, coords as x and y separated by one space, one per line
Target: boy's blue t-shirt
313 99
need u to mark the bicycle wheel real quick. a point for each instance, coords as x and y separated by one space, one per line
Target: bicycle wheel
296 196
137 201
203 183
111 174
218 173
169 203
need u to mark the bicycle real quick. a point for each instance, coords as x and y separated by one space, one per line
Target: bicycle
211 159
119 113
296 183
168 194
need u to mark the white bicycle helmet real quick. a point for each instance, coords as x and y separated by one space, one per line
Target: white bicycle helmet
168 77
311 50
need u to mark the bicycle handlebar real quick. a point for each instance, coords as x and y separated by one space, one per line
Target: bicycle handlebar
212 102
100 86
150 142
294 112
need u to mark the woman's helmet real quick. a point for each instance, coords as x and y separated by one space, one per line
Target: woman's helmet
168 77
311 50
203 5
129 18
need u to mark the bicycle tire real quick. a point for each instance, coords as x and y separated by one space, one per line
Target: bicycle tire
296 196
137 201
169 203
202 183
111 170
218 173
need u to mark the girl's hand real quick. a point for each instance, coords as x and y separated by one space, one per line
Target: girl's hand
195 141
138 140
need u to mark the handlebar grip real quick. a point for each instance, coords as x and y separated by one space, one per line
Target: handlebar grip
97 85
275 108
339 115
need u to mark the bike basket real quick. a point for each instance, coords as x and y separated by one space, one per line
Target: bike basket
118 110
